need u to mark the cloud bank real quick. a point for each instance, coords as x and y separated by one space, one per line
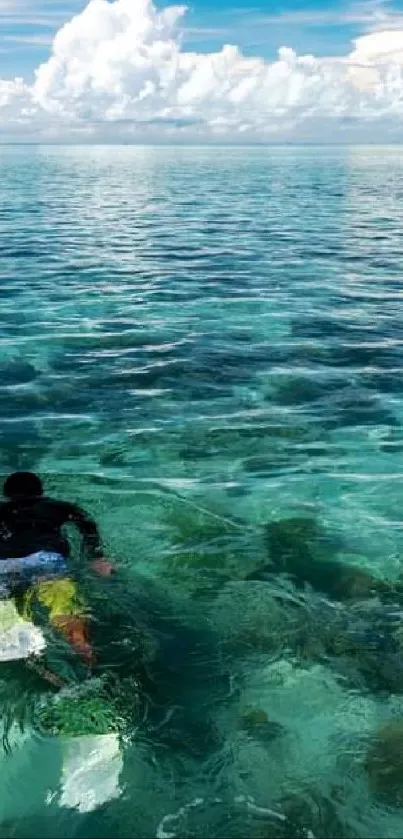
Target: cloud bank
118 71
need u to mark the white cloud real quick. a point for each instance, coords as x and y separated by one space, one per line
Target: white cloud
118 70
11 92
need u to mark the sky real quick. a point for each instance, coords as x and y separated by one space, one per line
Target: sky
213 71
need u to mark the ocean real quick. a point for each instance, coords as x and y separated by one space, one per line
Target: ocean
196 343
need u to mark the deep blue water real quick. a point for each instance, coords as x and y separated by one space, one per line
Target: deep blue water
195 342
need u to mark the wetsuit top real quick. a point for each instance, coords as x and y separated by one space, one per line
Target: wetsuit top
32 524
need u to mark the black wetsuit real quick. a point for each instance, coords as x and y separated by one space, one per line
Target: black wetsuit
32 524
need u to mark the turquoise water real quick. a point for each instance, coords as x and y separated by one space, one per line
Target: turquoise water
196 342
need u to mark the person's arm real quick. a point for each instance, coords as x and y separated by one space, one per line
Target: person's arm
91 538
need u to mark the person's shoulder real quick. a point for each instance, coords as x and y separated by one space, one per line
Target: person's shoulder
64 508
65 511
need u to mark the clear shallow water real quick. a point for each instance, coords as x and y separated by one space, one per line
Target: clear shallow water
194 343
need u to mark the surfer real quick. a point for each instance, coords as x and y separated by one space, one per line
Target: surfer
34 556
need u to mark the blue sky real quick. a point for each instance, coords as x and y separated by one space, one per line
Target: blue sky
324 29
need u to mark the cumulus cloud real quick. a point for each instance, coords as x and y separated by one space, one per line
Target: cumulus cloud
119 68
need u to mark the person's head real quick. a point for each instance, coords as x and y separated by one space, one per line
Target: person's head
23 485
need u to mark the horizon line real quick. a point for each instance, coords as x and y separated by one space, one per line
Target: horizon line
189 144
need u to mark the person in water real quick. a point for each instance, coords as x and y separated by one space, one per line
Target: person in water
34 557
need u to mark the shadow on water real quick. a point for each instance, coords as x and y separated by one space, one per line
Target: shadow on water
22 445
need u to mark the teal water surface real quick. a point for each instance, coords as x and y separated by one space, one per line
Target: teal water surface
195 343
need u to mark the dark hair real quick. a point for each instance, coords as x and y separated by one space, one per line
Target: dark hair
22 484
